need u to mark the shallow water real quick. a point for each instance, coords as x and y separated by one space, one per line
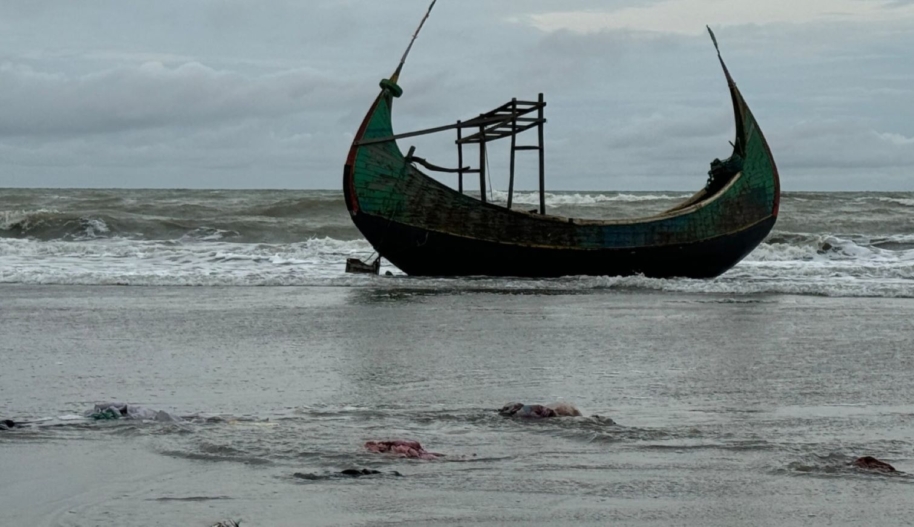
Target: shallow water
732 409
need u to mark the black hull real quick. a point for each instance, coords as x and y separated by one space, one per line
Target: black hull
420 252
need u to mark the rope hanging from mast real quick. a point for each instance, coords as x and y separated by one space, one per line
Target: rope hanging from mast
396 76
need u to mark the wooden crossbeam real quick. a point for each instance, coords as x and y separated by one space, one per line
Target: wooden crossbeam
501 115
493 134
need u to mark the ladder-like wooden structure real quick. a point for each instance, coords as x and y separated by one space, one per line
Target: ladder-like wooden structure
508 120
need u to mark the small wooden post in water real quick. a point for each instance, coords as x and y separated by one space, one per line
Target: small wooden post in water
542 156
482 162
460 157
513 150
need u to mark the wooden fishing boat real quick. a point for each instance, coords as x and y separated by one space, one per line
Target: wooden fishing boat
426 228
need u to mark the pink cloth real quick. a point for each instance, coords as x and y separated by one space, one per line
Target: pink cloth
409 449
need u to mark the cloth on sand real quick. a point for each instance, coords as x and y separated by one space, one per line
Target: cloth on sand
409 449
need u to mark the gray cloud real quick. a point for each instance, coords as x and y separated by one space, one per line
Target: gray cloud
245 93
152 95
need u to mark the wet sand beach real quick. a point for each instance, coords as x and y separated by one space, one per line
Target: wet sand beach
732 409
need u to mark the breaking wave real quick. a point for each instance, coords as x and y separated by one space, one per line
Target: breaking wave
278 223
54 224
907 202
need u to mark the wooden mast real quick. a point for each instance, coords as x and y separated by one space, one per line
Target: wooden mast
396 76
460 156
513 151
542 122
482 162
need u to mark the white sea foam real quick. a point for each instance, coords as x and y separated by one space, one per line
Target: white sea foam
122 261
574 199
898 201
206 234
808 265
93 228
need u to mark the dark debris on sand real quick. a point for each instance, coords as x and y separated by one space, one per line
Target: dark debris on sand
871 463
6 424
345 474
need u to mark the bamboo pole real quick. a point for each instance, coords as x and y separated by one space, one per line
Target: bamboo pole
460 157
513 151
482 164
542 156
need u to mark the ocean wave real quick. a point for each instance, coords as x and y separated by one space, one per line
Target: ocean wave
55 225
19 219
907 202
209 234
576 199
866 250
287 208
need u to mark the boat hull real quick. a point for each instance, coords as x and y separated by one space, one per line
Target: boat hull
419 252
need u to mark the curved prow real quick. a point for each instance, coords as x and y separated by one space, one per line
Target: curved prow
747 130
389 91
740 145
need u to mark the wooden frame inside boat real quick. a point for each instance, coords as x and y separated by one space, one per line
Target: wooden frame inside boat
508 120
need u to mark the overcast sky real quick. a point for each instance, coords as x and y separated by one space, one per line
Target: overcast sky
268 93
